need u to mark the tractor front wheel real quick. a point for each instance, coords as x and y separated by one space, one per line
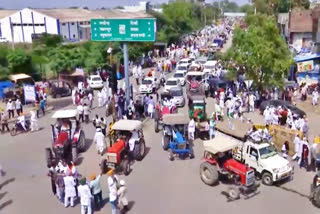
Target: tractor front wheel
125 165
82 142
165 142
171 156
209 174
49 157
234 193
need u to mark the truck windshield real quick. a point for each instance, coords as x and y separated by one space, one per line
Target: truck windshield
267 152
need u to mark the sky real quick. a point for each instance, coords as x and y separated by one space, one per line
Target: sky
92 4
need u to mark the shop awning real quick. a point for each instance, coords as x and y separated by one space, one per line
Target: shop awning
301 58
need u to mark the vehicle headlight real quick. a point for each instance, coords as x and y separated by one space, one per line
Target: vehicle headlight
276 170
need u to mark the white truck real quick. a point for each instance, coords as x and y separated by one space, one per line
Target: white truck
264 159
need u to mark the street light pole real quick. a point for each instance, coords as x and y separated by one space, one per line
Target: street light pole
126 72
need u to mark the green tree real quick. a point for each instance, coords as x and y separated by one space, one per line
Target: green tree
262 51
247 8
19 61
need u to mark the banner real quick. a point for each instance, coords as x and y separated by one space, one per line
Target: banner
305 66
29 93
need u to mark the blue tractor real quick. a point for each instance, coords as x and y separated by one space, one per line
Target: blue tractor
174 137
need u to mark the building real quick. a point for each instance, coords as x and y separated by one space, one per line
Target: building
143 6
283 24
71 24
301 29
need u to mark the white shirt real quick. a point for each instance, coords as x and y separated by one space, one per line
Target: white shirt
18 104
10 105
84 194
80 109
86 110
133 139
69 184
112 188
192 126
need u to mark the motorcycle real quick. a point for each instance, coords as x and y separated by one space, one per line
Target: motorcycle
18 128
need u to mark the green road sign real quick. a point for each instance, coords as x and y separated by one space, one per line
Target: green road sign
126 30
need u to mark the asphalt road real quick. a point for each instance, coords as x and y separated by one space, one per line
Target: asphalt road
155 185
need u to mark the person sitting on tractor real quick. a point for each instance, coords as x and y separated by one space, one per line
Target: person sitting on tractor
66 127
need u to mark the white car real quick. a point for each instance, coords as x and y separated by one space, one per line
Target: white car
171 83
178 97
147 85
182 68
181 76
185 61
209 66
95 82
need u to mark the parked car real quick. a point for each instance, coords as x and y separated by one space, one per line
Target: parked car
181 76
60 88
285 104
171 83
95 82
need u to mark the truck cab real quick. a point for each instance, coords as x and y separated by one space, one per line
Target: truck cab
264 159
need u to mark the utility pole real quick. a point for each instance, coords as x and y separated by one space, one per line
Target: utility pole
126 73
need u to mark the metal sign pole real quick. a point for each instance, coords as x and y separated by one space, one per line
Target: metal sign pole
126 72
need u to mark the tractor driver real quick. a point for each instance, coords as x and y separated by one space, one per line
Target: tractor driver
134 137
65 127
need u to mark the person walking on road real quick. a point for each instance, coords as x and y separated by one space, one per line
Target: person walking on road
85 197
122 195
10 108
4 117
90 98
135 73
96 190
315 97
69 190
86 113
73 95
191 129
100 141
113 195
34 121
80 111
212 125
18 106
42 106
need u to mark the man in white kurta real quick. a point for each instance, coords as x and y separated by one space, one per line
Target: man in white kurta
191 129
315 96
85 197
100 99
252 99
100 141
34 121
69 190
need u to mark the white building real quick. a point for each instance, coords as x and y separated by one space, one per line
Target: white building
71 24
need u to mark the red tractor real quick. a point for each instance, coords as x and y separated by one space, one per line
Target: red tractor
163 108
129 145
68 138
220 165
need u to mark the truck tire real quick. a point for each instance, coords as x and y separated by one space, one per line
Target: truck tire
267 179
165 142
125 167
82 142
209 174
316 197
49 157
139 150
234 193
74 154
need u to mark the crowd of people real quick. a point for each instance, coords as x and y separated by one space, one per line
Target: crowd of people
69 186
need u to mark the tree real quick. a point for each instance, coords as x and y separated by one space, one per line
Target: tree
247 8
262 51
19 61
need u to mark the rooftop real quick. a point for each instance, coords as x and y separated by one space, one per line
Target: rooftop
79 14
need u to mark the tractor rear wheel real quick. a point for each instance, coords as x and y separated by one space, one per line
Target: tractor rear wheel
234 193
267 179
209 174
165 142
316 197
49 157
125 165
139 150
171 156
74 154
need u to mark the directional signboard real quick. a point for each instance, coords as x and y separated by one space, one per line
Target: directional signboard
125 30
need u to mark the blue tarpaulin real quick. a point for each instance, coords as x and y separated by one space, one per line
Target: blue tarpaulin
301 58
4 85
